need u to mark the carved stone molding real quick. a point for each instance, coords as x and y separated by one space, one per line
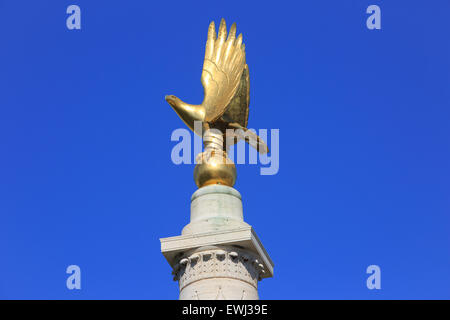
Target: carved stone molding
218 262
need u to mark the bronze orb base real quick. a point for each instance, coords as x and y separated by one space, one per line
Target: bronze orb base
218 169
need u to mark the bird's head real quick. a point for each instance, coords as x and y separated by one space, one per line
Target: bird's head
187 112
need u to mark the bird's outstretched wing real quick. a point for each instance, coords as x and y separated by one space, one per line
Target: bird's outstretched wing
222 69
237 109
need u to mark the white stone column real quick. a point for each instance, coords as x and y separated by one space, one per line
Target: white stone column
214 208
218 255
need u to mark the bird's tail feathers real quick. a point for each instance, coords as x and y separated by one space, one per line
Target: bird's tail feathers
250 137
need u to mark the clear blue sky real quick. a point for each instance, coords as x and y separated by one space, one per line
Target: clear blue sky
85 171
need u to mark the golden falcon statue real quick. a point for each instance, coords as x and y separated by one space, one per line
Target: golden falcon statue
225 80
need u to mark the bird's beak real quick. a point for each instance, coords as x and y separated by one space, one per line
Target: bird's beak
170 100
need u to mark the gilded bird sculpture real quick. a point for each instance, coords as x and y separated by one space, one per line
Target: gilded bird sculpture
223 114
